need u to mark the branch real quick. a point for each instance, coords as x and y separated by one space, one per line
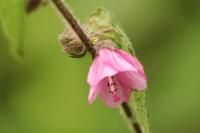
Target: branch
75 26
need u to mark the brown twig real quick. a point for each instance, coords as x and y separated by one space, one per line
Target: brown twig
75 25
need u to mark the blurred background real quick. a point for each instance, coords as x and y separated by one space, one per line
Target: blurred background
47 92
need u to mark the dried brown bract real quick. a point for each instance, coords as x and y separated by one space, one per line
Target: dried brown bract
72 44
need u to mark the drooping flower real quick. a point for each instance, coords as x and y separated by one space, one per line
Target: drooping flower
113 75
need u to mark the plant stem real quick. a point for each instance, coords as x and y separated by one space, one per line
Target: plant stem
60 5
131 118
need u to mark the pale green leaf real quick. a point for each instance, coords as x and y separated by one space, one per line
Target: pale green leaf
101 19
12 17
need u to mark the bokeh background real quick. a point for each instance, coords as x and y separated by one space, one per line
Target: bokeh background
47 92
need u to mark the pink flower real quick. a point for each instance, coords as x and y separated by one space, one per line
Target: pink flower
113 75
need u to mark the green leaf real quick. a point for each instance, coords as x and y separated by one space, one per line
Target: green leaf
12 17
101 19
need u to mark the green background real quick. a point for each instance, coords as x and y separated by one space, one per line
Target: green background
47 92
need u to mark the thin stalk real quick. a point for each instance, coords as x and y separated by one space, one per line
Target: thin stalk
60 5
131 118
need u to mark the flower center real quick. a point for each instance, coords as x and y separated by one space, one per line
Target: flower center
113 89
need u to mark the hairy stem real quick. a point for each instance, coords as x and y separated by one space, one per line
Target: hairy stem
131 118
60 5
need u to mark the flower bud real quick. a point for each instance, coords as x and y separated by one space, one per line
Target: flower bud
72 44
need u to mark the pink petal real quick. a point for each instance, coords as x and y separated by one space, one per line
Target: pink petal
132 60
94 91
107 63
98 71
131 79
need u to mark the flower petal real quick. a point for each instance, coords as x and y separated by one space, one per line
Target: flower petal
132 60
130 79
98 71
94 91
107 63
